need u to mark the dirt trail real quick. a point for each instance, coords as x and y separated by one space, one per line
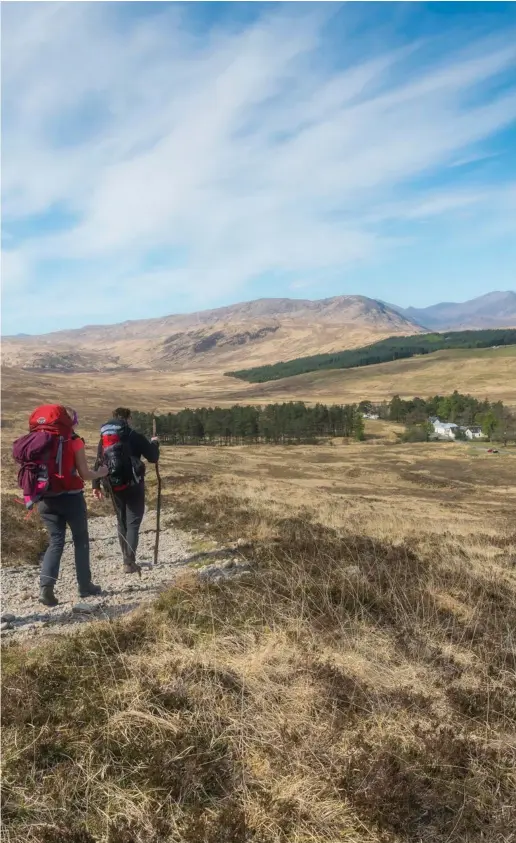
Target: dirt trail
23 615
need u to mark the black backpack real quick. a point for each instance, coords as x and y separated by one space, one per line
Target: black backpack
117 455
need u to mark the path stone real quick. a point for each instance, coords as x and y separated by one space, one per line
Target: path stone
83 609
7 617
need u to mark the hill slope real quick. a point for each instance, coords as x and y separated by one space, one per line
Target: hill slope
249 333
392 348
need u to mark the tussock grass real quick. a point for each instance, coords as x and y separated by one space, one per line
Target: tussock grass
349 689
23 540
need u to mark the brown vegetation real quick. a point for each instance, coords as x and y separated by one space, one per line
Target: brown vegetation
250 333
358 685
484 373
23 538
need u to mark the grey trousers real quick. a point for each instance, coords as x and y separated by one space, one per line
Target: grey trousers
58 513
130 509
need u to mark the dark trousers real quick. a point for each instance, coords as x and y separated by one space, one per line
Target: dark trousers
130 509
58 513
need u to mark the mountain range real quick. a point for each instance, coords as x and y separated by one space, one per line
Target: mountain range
494 310
248 334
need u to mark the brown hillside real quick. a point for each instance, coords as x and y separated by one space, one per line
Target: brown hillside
247 334
485 373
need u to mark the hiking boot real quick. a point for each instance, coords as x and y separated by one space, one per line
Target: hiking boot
131 568
90 590
47 596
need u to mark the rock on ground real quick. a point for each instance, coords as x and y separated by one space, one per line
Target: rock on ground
121 593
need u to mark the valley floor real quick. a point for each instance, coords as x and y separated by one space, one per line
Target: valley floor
484 373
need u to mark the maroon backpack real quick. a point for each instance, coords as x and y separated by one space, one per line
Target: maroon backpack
45 455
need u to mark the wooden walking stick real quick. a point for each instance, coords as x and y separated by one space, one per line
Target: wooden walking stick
158 503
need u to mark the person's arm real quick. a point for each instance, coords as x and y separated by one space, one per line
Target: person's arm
97 464
82 467
150 450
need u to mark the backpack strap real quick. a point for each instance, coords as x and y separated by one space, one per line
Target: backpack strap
59 458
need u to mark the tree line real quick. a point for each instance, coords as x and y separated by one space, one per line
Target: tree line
289 423
296 423
384 351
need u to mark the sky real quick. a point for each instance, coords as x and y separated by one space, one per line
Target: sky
169 157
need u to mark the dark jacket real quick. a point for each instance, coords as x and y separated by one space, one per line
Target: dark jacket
139 446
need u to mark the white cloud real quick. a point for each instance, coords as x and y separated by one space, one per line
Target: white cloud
238 147
14 270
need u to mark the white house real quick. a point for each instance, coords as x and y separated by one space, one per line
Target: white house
445 430
370 416
474 432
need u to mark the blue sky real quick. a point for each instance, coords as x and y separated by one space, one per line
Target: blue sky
167 157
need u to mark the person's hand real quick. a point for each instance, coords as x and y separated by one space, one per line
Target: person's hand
98 494
103 471
155 439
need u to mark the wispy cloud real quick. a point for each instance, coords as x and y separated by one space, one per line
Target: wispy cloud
228 152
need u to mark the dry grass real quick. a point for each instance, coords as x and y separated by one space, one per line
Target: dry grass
484 373
176 346
357 686
481 372
23 538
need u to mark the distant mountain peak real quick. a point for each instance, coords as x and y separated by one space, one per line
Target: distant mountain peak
492 310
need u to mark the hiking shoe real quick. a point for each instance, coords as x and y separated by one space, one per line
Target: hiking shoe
90 590
47 596
131 568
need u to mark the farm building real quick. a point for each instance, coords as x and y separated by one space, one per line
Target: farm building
445 430
474 432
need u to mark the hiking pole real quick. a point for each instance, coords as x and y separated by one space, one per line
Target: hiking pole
158 502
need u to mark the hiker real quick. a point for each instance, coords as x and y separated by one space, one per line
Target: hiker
121 448
52 474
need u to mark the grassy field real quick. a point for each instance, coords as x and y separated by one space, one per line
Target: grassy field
481 372
485 373
357 686
388 350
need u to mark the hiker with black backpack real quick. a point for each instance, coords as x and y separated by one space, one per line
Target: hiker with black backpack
121 449
52 470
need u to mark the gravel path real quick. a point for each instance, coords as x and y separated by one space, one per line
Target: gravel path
23 616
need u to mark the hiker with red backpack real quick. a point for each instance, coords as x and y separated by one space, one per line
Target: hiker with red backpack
52 472
121 449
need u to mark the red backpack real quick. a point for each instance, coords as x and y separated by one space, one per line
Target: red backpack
46 456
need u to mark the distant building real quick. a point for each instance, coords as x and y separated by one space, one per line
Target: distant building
445 430
474 432
370 416
448 430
